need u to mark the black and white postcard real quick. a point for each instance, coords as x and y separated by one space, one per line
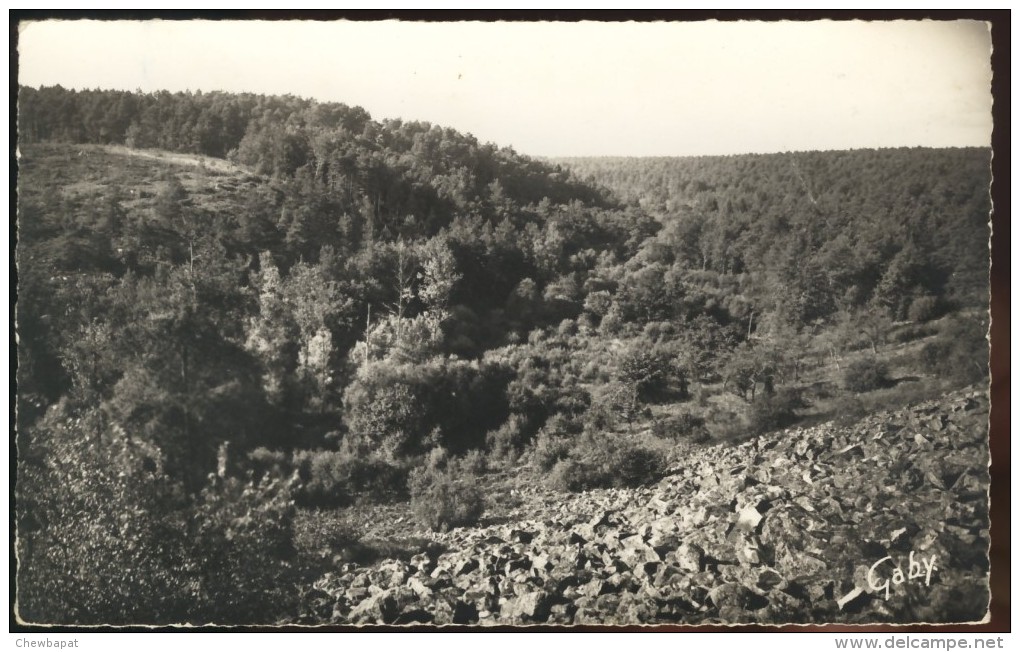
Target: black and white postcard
489 323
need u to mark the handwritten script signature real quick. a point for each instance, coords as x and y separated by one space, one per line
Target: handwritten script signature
879 578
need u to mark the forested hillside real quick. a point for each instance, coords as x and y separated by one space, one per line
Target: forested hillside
848 213
236 312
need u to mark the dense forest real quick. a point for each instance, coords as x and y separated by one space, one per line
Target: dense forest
234 309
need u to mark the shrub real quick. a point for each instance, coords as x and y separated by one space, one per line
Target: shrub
393 407
444 495
774 411
865 375
549 449
639 465
263 462
923 308
848 409
506 442
684 425
244 544
602 460
913 332
650 372
98 538
107 537
570 475
960 353
473 463
338 478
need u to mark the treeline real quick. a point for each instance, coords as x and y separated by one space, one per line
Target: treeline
399 168
863 222
378 311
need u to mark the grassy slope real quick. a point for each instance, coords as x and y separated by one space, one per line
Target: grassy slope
81 171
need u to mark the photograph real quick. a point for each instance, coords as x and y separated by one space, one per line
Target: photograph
376 323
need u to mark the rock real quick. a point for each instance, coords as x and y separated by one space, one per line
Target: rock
775 536
853 601
607 603
594 588
633 610
769 579
688 557
749 554
419 587
521 563
422 563
636 552
446 611
466 566
663 542
413 616
530 607
522 536
736 596
850 451
380 609
694 518
748 519
561 614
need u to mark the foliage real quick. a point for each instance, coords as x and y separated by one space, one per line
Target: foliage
105 536
923 308
506 442
605 460
866 374
395 407
774 411
242 550
98 540
552 443
959 353
681 426
291 276
337 478
651 373
444 493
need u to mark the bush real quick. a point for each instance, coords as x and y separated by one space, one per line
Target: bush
913 332
444 495
848 409
393 407
602 460
339 478
865 375
678 426
775 411
960 353
653 374
107 537
505 443
474 463
549 449
263 462
244 545
923 309
639 465
98 538
569 475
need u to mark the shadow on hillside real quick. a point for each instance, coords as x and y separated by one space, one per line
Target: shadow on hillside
905 379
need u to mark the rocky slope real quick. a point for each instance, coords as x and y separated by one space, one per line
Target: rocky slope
885 521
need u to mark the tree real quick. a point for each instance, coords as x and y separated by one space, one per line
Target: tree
910 274
187 384
272 335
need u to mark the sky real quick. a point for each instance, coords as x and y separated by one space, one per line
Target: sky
569 89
